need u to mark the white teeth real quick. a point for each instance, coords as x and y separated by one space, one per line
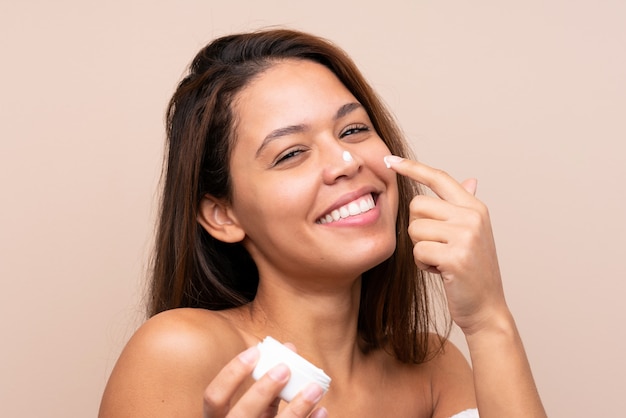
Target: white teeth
361 205
354 209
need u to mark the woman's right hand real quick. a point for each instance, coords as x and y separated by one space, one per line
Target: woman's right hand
261 399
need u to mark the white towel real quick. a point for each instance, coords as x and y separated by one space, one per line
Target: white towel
468 413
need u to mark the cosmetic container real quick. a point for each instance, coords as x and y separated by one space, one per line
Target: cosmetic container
303 372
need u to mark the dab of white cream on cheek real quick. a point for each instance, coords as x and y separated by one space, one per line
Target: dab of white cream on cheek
347 157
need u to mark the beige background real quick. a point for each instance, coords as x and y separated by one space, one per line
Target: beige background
530 97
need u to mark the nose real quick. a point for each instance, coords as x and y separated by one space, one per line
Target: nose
340 163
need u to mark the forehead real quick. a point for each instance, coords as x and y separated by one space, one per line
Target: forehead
289 74
290 91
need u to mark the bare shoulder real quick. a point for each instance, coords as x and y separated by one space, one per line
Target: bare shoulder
168 362
192 335
451 381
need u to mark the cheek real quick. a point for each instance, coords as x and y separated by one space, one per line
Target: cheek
393 192
390 178
264 200
375 152
375 159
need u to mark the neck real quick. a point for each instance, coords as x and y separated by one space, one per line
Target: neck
321 323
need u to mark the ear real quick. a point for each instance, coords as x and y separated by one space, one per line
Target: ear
217 219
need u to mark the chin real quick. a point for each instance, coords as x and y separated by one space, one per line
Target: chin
380 253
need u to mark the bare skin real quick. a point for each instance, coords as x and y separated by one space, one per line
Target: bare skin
177 356
193 363
452 236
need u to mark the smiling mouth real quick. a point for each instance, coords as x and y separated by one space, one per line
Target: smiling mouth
356 207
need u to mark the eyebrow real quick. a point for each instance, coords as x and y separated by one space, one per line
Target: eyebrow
345 109
295 129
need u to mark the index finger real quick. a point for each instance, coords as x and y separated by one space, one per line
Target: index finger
440 182
218 393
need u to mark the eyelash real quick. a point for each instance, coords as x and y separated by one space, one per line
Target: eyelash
350 130
290 154
355 129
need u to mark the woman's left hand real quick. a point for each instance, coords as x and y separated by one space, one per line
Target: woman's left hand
452 235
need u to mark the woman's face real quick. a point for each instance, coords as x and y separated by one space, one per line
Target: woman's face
310 188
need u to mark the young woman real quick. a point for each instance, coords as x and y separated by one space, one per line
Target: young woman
291 209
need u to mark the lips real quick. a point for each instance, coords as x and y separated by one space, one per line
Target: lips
356 207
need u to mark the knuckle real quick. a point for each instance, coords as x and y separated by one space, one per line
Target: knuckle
461 258
418 206
267 387
298 409
214 400
210 394
475 221
468 238
416 252
415 203
479 208
439 175
482 209
464 257
417 257
413 230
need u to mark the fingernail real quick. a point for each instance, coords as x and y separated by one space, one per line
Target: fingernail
279 373
249 356
312 393
392 159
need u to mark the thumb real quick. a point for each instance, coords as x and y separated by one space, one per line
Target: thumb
470 185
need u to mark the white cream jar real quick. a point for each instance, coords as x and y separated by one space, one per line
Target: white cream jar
302 371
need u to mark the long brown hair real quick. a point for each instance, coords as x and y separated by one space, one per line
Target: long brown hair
192 269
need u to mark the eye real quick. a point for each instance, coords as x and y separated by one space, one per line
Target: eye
354 129
293 153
